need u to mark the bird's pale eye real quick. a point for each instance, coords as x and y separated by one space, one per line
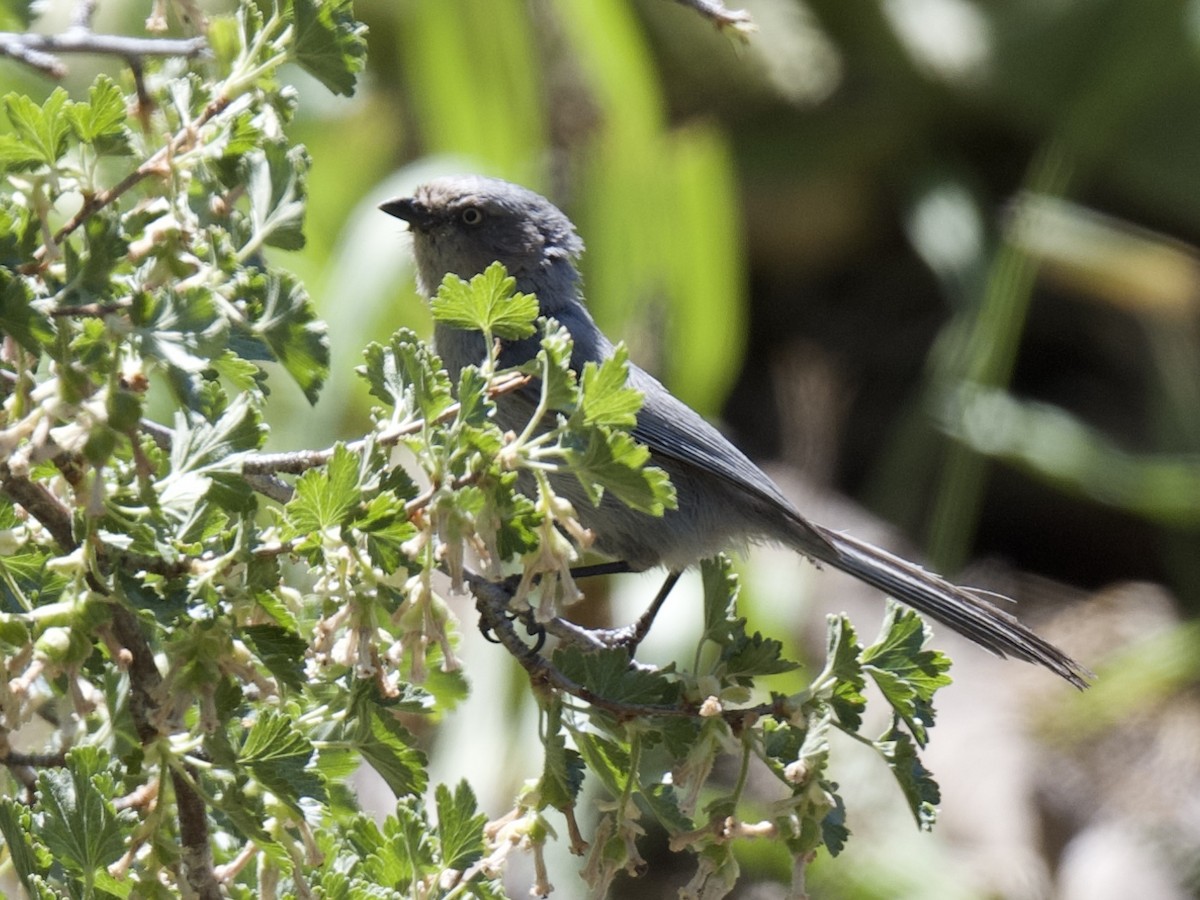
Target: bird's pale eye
471 216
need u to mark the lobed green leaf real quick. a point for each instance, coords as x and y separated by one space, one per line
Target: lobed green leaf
906 672
916 782
489 302
613 461
459 826
606 397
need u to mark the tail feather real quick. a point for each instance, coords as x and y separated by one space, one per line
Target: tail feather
957 607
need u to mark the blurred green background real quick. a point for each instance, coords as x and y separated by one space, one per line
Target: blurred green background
936 256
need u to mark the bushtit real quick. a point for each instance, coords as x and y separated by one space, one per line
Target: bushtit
462 224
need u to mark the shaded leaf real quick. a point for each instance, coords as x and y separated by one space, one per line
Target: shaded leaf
75 816
329 44
906 672
609 674
920 790
281 324
842 652
280 650
278 755
562 767
387 746
459 826
276 184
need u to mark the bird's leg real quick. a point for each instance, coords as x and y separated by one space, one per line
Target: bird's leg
629 637
639 630
618 567
536 629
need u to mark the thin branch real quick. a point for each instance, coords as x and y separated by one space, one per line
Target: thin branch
35 760
41 51
259 470
141 796
738 20
91 310
296 462
270 487
35 59
154 165
40 504
85 11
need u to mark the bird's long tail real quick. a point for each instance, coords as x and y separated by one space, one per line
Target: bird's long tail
957 607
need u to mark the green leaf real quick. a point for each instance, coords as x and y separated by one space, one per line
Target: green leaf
906 673
609 674
387 746
407 375
510 515
90 273
17 15
607 400
664 803
16 155
614 461
474 404
28 854
743 656
184 332
459 826
325 497
329 44
76 818
101 120
276 184
489 302
282 324
920 790
754 655
201 450
20 234
553 366
45 129
278 756
281 651
562 767
843 666
606 759
800 757
721 590
26 582
411 844
385 524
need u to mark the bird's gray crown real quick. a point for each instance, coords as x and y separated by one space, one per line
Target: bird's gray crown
462 224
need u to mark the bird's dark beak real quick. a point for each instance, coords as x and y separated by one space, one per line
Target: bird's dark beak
417 215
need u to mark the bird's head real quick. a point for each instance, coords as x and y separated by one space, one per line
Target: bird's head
462 224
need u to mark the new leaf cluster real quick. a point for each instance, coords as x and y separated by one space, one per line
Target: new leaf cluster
656 741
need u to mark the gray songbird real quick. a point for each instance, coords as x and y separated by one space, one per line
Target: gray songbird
462 224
